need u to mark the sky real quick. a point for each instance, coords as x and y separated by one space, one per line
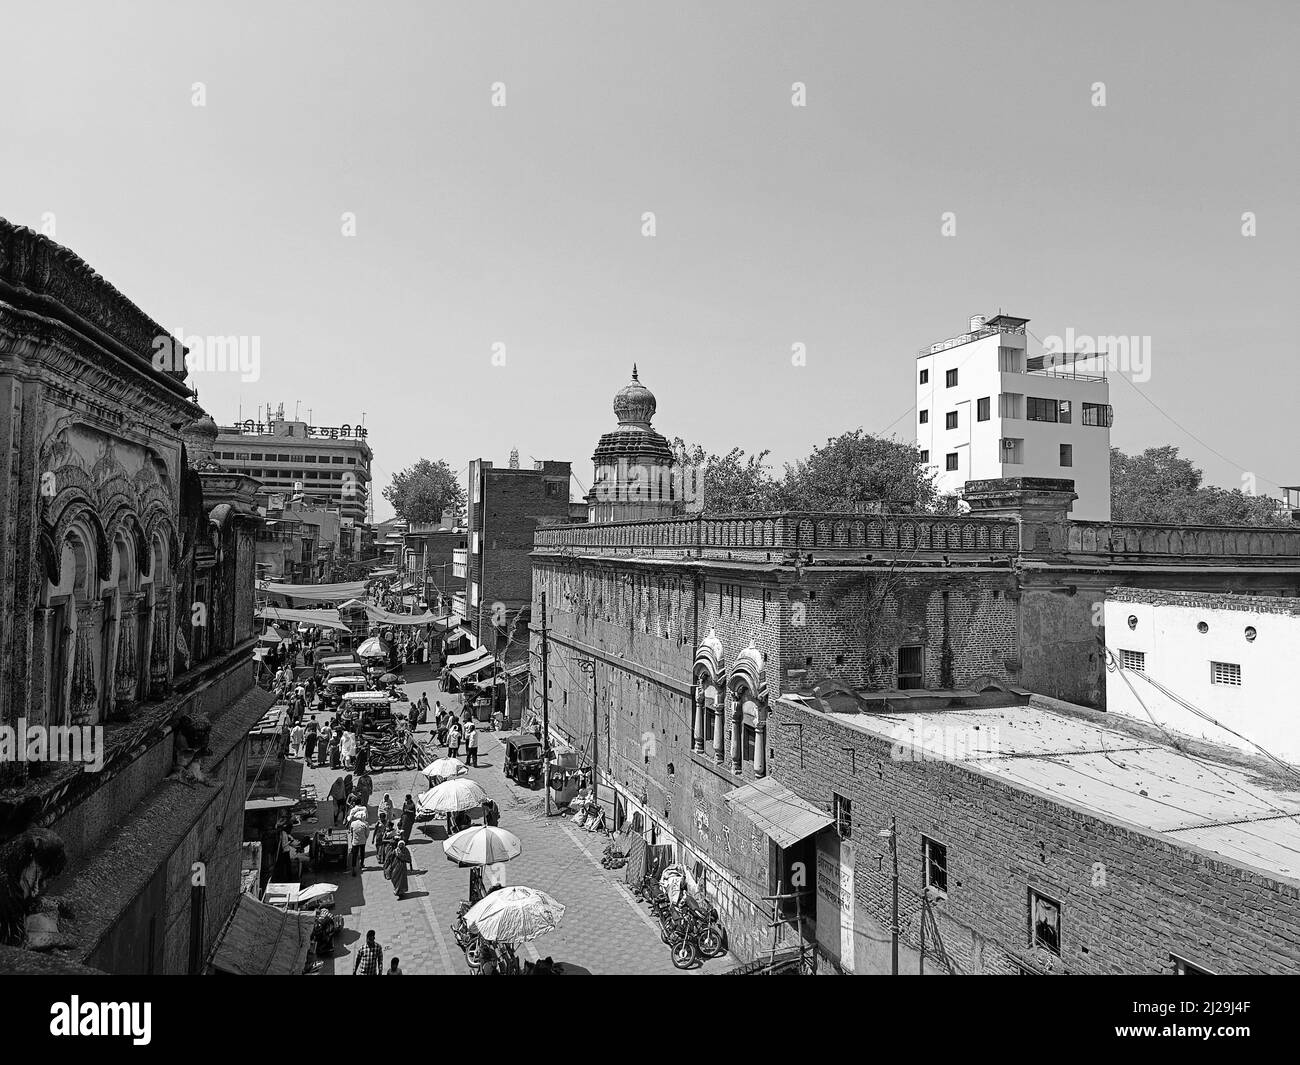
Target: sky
522 225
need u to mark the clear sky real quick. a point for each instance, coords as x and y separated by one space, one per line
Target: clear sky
775 224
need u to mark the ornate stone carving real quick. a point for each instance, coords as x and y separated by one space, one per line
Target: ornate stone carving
85 690
192 734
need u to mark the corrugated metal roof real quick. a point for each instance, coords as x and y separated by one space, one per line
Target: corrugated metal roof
778 811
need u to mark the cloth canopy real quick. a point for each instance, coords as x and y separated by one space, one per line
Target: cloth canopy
468 656
470 668
322 619
261 940
319 593
387 617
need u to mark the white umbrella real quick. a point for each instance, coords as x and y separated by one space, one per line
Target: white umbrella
445 768
515 915
373 648
483 845
453 796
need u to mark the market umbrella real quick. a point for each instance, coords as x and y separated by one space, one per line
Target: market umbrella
452 796
373 648
445 768
515 915
483 845
390 678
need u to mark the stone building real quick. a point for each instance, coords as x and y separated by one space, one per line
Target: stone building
126 624
635 473
668 640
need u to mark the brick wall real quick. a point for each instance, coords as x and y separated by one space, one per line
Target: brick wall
1146 899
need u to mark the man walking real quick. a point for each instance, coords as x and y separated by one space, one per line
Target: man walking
358 832
370 958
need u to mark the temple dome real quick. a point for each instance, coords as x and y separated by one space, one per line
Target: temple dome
634 404
634 440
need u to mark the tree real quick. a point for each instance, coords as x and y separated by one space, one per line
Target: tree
856 468
421 493
733 483
1162 487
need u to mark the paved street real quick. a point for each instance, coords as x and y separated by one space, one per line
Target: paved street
604 929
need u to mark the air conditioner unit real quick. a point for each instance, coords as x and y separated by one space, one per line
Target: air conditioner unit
1008 445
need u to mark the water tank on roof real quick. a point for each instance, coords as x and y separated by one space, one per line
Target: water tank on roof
977 322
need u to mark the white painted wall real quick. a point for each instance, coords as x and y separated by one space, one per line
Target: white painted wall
1265 708
977 444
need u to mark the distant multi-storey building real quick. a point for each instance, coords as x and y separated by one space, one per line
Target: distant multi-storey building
987 409
331 464
506 506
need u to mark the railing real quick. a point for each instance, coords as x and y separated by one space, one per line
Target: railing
787 532
1208 541
966 338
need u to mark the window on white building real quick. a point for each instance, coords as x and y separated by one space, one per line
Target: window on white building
1011 360
925 416
1011 405
1134 660
950 461
982 409
1012 450
950 379
1041 410
925 377
1067 454
1097 414
950 420
925 456
1225 673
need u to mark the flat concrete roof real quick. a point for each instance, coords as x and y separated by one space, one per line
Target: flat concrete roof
1247 816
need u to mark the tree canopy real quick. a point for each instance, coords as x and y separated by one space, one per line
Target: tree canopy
1161 486
421 493
851 471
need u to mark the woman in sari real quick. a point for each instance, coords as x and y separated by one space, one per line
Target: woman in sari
395 866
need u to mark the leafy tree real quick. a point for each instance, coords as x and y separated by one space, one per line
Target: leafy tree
734 483
421 493
856 468
1161 486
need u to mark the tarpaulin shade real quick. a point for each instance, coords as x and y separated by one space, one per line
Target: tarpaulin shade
470 668
387 617
468 656
263 941
322 619
318 593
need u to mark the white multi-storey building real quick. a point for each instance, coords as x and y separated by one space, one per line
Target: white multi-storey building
986 408
1228 656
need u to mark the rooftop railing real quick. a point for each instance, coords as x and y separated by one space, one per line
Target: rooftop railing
1185 541
749 535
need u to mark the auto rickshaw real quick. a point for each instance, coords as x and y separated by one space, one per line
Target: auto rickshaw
523 759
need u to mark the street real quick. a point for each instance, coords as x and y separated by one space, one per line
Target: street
604 929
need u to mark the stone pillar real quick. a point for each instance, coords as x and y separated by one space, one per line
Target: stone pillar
760 742
697 718
160 656
1041 506
43 681
126 667
737 732
720 728
84 708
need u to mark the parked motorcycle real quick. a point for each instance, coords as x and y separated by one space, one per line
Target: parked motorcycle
324 931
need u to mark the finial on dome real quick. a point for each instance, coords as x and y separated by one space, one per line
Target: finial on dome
634 372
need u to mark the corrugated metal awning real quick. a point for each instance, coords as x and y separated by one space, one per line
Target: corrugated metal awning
778 811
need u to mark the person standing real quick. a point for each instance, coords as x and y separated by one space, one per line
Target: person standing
310 741
370 958
408 818
398 862
364 787
335 749
358 832
453 740
471 744
297 735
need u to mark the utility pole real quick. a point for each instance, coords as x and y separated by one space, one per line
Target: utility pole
546 706
893 850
